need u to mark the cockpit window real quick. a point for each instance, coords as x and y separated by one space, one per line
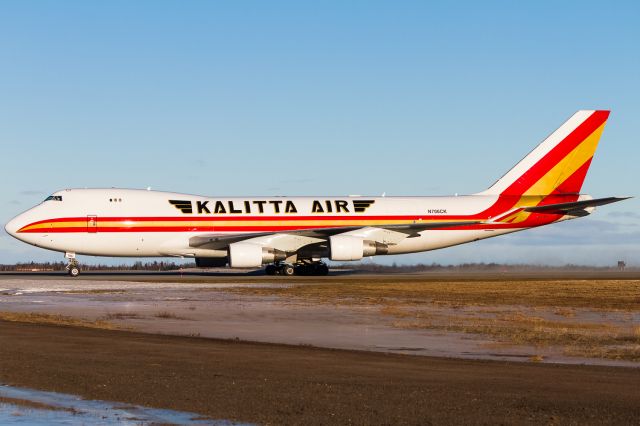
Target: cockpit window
54 198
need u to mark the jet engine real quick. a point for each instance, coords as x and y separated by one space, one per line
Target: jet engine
248 255
348 247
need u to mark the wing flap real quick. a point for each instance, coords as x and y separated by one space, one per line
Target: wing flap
412 229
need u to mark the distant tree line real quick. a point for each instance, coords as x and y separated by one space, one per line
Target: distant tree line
435 267
362 267
60 266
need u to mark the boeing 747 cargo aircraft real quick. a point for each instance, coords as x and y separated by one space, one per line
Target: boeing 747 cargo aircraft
291 235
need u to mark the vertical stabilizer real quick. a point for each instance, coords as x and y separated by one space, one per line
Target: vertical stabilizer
560 163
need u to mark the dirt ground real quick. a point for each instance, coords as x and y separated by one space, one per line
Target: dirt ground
278 384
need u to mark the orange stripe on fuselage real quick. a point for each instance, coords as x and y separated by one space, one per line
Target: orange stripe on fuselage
235 224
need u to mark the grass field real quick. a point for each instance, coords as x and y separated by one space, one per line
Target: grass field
594 318
40 318
593 294
588 318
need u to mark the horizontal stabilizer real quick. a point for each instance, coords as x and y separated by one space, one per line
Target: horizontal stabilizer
576 206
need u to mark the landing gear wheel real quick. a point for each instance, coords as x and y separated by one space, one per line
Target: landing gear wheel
322 269
313 269
270 270
287 270
74 271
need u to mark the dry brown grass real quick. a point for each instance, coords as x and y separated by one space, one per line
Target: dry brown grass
587 339
623 353
96 291
491 308
168 315
398 312
122 316
565 312
39 318
593 294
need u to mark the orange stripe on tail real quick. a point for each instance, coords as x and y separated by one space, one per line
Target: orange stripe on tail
560 163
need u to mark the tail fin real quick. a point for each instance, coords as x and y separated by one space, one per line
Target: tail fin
560 163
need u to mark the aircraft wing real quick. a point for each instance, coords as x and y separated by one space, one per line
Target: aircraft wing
576 208
295 239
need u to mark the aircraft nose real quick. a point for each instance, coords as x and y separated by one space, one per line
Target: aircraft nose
13 225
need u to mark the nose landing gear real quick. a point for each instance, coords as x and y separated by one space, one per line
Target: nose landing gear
73 268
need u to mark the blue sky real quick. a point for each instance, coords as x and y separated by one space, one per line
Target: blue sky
296 98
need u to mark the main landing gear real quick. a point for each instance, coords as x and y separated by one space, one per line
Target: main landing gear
286 269
280 269
73 268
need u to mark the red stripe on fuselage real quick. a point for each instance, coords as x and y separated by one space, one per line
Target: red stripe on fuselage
223 218
265 228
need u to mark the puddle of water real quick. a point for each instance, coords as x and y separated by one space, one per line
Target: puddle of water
51 408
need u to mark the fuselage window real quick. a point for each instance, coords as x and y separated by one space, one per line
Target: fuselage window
54 198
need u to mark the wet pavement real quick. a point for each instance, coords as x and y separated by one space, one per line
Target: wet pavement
22 406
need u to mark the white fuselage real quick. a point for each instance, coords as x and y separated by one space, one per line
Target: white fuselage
140 223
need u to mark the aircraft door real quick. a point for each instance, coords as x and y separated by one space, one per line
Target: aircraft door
92 224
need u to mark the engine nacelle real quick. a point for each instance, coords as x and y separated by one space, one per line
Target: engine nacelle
348 247
248 255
